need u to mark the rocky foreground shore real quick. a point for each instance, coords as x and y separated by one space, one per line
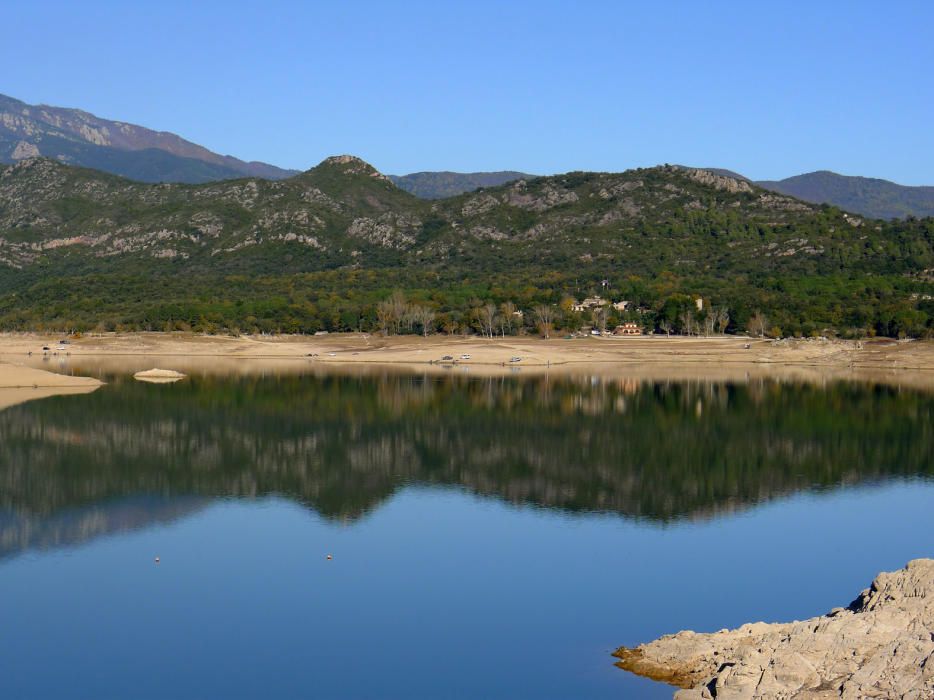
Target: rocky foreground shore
880 646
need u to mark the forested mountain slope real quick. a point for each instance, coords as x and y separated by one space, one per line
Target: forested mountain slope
81 248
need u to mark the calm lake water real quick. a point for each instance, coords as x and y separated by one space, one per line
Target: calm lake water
491 538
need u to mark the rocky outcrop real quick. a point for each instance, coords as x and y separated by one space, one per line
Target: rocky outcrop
481 204
880 646
389 230
541 199
24 149
779 203
721 182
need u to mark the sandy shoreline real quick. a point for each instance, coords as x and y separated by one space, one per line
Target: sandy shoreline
723 358
17 376
19 384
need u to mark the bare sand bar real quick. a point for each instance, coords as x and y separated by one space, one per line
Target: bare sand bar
159 376
19 384
724 358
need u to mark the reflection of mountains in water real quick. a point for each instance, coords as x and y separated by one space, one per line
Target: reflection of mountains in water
21 531
343 445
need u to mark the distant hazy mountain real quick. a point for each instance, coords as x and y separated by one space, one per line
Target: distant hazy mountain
438 185
872 197
879 199
78 138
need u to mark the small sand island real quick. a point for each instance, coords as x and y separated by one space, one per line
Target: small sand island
159 376
880 646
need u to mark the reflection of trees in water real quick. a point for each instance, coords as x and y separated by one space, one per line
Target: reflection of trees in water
341 445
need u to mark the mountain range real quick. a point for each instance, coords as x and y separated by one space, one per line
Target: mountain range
78 138
872 197
318 251
344 212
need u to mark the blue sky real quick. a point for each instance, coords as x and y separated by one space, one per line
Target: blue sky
767 89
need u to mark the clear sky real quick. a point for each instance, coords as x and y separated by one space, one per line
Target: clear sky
767 89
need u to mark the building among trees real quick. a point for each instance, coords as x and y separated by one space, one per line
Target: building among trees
589 303
628 328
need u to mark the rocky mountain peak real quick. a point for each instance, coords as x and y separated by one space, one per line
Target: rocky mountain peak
352 165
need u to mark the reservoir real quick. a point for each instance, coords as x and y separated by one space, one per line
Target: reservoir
408 536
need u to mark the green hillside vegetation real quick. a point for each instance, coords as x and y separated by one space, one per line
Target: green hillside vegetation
324 250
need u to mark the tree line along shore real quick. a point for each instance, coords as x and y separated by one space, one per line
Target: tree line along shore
479 310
